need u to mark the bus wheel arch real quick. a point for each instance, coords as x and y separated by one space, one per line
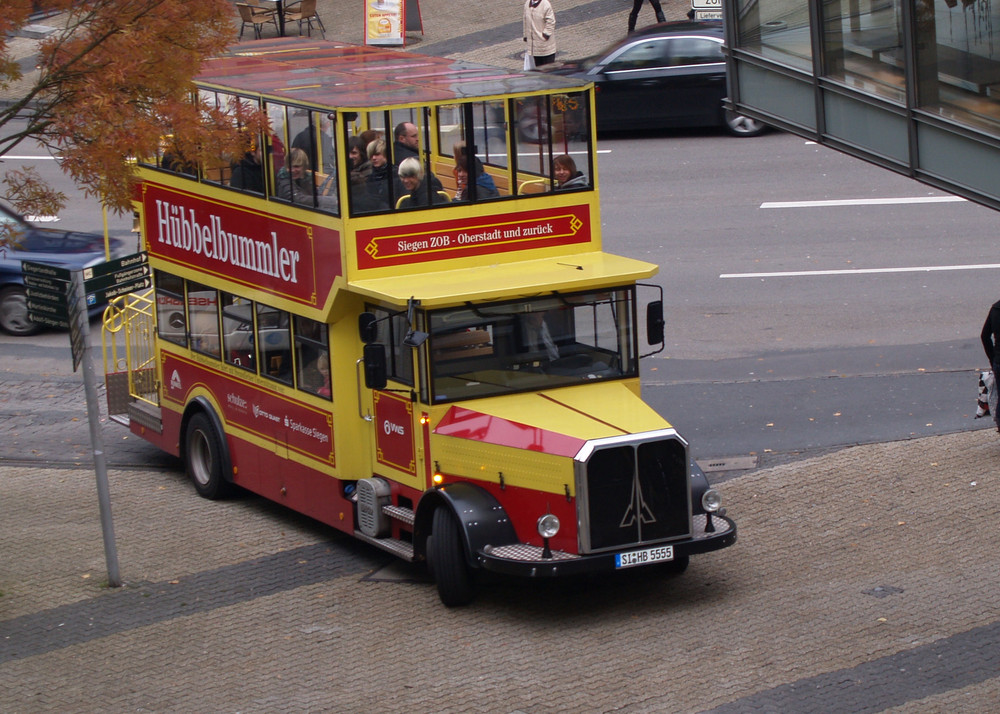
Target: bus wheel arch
452 524
204 451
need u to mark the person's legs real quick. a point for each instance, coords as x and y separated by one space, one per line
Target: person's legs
660 17
636 6
544 59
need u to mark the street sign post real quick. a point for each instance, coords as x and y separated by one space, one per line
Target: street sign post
58 297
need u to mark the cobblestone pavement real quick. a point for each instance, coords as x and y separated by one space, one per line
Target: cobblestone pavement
865 580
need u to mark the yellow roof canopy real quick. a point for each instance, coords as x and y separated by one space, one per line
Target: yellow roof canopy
565 273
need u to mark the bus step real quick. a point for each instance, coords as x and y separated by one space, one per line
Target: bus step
404 515
146 415
397 547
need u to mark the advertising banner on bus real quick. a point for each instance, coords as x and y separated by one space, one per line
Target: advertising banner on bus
525 230
258 250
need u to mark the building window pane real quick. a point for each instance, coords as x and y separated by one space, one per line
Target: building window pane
776 29
958 61
864 46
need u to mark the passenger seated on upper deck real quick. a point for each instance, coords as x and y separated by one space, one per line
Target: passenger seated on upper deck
373 194
411 174
248 172
296 183
357 158
485 188
566 175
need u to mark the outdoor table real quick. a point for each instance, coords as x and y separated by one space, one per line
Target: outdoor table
280 7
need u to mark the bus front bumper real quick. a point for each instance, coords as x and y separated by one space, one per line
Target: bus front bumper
531 561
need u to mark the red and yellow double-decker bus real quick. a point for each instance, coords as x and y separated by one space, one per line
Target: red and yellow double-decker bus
394 314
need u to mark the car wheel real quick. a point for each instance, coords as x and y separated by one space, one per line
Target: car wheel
739 125
14 312
447 561
203 455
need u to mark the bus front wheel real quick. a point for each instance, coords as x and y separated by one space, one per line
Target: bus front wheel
203 454
446 555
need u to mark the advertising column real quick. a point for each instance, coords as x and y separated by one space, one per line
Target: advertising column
385 22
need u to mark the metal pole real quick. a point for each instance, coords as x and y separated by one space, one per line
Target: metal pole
96 440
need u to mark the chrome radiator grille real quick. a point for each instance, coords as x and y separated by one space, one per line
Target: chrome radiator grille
633 493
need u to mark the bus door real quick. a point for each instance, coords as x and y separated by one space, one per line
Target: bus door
395 415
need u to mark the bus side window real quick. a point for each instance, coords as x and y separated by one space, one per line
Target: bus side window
273 346
203 318
237 332
312 356
171 324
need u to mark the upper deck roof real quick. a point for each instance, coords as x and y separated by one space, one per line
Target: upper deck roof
341 75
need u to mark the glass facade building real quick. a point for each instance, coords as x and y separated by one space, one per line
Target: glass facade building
912 85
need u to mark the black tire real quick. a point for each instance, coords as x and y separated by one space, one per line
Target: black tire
14 312
447 561
204 455
739 125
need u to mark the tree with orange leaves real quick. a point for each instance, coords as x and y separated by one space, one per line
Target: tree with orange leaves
114 82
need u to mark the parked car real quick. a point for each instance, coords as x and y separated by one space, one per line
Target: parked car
663 76
21 240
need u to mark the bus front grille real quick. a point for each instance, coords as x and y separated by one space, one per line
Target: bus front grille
634 494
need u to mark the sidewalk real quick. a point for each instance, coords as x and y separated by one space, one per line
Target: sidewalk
864 580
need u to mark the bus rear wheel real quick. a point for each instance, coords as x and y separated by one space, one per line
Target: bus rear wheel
446 556
203 456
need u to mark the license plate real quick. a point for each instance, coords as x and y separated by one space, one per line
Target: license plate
644 557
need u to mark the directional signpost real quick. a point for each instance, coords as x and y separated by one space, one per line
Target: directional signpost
58 297
47 288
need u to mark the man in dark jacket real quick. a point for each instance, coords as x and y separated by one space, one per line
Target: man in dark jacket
990 337
406 145
248 174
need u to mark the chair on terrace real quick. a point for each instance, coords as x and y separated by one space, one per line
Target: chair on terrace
304 11
256 16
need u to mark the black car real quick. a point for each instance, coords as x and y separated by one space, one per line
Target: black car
663 76
20 240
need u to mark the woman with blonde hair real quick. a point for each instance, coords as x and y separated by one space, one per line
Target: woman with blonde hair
411 175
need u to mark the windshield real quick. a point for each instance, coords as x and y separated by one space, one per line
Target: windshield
552 341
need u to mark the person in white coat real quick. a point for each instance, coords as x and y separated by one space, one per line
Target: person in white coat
539 30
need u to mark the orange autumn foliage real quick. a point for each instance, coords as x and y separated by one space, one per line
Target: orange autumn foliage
114 82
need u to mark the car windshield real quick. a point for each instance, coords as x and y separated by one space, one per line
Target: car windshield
553 341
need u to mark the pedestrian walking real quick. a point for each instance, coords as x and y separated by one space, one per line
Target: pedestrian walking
637 6
539 31
990 337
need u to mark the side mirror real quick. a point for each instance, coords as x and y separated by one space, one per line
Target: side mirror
367 329
376 370
654 322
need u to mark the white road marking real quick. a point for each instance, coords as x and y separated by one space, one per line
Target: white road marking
862 271
861 202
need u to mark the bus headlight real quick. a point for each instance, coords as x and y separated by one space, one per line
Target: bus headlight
548 525
711 501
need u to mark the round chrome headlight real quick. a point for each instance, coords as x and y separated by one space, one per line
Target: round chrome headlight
548 525
711 501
